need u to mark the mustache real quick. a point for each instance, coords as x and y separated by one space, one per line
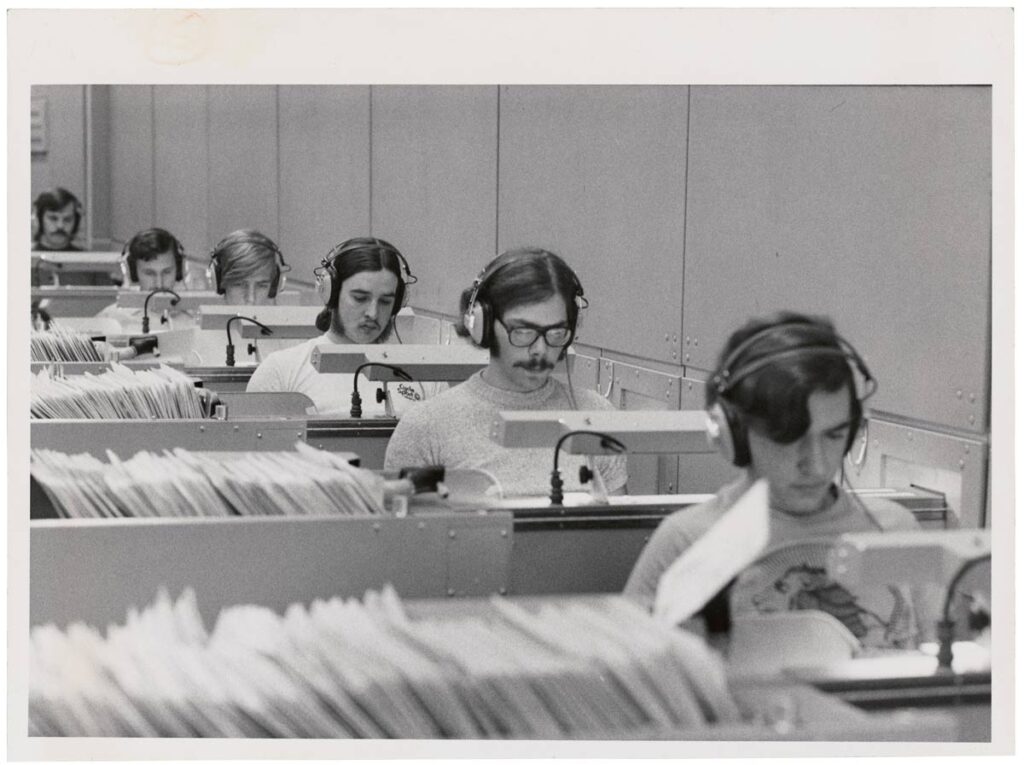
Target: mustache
535 365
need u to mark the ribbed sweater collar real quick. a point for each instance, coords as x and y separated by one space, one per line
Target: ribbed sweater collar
510 399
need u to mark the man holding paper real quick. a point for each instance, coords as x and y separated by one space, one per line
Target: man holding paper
786 404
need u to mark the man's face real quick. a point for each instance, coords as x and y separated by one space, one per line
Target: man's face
800 474
57 225
526 368
253 289
156 273
365 302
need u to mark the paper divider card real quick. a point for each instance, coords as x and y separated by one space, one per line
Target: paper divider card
730 545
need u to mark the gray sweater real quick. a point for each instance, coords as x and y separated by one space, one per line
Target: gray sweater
453 429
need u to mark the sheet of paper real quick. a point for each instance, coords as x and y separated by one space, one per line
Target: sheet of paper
729 546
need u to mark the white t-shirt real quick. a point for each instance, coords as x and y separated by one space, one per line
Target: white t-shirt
290 370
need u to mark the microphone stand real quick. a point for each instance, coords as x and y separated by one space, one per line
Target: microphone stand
145 306
229 356
357 401
608 443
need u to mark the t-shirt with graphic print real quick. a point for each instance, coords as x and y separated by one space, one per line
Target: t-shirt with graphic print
791 573
290 370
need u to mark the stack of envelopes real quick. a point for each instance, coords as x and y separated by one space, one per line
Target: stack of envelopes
120 393
341 668
59 344
182 483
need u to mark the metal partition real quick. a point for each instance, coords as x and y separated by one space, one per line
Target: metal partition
95 571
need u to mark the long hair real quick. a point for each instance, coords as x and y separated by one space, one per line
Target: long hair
351 257
243 253
150 244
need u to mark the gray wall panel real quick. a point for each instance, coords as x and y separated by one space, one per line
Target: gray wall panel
131 159
434 184
64 162
869 204
243 159
597 174
325 171
182 165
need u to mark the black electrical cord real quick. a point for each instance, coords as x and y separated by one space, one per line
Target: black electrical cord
145 306
357 401
229 355
608 443
945 627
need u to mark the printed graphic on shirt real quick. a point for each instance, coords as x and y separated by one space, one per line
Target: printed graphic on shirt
409 392
794 578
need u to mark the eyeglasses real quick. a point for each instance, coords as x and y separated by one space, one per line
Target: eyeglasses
555 336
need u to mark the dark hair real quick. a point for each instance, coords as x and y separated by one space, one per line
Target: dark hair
353 256
521 276
57 199
150 244
774 397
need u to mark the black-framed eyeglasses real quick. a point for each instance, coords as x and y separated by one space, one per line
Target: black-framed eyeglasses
556 336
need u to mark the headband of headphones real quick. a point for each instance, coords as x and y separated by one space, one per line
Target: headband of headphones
727 427
215 271
130 265
329 285
478 317
835 345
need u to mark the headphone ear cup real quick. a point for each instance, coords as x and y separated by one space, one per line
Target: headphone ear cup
278 284
126 274
477 321
324 282
728 433
213 276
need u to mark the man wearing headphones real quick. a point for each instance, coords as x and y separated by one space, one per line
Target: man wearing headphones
784 404
363 283
56 216
523 307
247 268
152 259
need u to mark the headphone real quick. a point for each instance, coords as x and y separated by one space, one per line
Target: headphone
215 271
38 212
328 285
727 427
479 316
130 265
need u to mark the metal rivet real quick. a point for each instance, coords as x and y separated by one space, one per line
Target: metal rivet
504 532
638 373
451 535
668 394
689 386
959 394
259 435
971 418
687 339
502 591
962 463
666 337
202 428
236 428
676 355
421 525
967 449
376 527
451 592
971 398
675 338
687 357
